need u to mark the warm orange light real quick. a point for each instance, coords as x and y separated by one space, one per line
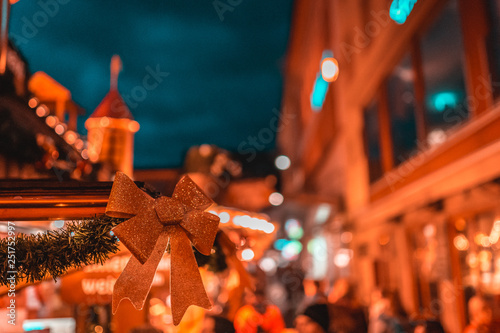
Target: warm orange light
85 154
330 69
133 126
33 102
51 121
478 238
460 224
70 137
59 129
42 111
104 121
79 144
461 242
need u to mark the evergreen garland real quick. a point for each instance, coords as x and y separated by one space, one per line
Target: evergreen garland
80 243
54 252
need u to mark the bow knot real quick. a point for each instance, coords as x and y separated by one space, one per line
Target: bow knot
170 211
153 224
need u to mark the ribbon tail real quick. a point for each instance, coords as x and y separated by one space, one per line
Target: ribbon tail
186 286
135 281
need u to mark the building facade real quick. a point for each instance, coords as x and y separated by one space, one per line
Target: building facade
408 138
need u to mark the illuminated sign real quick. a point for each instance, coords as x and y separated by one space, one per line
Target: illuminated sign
400 9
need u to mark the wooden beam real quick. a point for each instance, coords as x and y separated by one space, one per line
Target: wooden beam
474 137
37 200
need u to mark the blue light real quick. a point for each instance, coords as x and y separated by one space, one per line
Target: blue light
444 100
279 244
400 9
326 54
33 326
319 93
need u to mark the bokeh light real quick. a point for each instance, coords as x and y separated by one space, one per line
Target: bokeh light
247 254
330 69
282 162
292 250
224 217
294 229
276 199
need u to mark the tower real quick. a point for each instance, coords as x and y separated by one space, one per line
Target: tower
111 130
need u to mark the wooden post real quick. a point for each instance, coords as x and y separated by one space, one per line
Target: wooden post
384 121
477 74
419 84
4 38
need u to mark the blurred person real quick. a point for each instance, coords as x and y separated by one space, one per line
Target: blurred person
393 318
346 313
377 306
258 316
481 316
315 319
314 293
429 326
217 324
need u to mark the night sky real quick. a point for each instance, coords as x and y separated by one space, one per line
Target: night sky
224 65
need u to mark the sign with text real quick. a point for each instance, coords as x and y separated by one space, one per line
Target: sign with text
94 284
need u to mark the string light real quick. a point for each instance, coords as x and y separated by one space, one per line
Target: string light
276 199
59 129
42 111
282 162
33 102
247 254
133 126
224 217
330 69
51 121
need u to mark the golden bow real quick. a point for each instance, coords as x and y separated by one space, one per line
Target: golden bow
152 223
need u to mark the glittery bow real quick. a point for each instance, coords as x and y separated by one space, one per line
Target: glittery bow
152 223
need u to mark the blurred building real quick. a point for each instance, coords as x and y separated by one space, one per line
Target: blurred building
37 131
407 139
111 129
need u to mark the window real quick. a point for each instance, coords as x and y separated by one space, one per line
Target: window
401 104
442 65
372 141
422 98
493 44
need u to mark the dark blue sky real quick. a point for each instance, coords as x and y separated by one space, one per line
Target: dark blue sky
225 68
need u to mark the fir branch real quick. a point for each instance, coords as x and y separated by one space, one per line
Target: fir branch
53 253
80 243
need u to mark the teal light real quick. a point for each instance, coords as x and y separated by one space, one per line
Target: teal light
33 326
400 9
444 100
320 86
279 244
319 93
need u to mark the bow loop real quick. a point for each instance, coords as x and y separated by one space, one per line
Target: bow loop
126 199
201 228
187 192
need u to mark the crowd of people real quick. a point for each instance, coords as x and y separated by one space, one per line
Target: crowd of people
339 312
